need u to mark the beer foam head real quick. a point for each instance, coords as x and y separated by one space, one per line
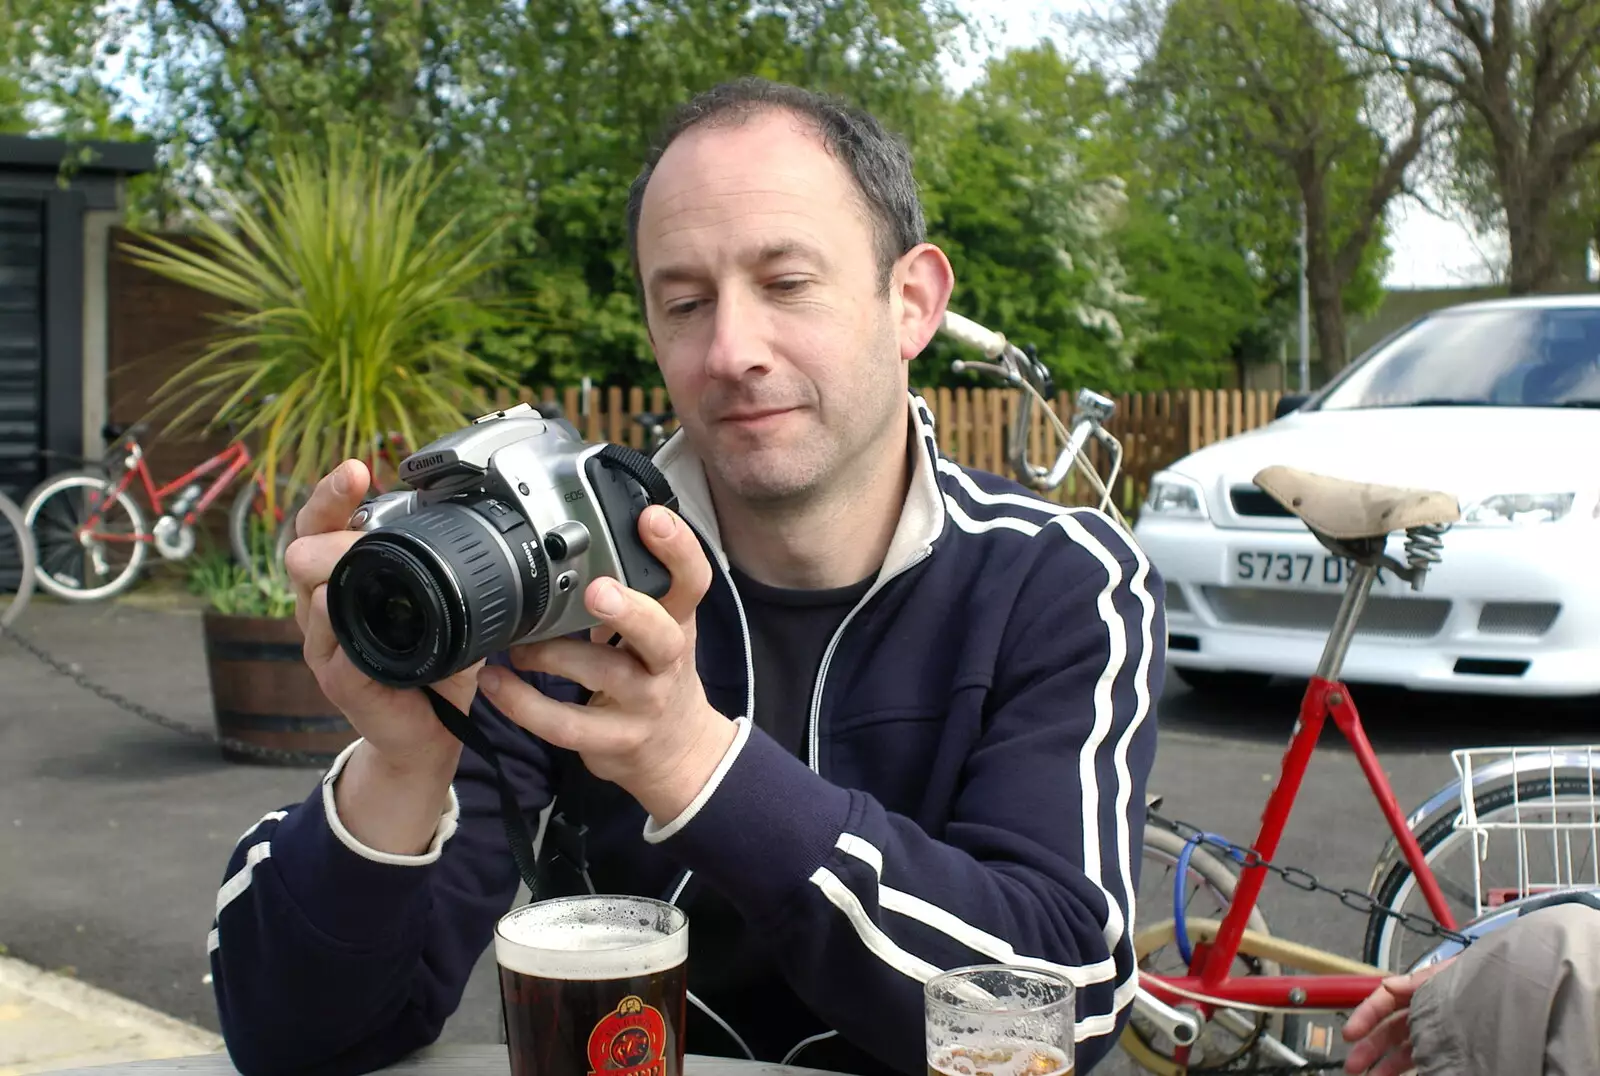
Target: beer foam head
592 938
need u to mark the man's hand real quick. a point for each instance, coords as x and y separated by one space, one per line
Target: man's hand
394 787
648 727
1383 1024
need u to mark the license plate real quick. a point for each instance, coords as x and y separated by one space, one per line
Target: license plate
1320 571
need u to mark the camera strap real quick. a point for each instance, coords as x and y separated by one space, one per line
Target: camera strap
519 835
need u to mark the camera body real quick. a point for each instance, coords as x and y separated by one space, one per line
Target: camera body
505 524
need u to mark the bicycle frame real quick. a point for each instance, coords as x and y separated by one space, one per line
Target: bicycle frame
231 461
1326 697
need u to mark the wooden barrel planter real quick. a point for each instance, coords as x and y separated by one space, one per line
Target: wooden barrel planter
263 694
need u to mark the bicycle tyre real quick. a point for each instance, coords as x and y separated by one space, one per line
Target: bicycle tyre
1377 947
239 522
61 484
1217 874
12 519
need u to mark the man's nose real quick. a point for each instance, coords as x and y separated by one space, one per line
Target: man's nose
738 341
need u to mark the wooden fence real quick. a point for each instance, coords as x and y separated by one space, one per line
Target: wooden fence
1155 428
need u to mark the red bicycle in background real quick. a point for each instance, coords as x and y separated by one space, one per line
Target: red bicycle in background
1216 991
93 538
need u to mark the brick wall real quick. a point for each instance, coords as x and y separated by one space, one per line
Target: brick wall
156 327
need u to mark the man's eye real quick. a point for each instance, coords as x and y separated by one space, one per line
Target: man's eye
789 284
679 309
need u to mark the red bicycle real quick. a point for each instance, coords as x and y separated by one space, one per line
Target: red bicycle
1218 992
92 536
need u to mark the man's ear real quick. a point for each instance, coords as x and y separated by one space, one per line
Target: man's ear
920 289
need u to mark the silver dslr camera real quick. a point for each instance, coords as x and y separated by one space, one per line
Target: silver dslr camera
506 523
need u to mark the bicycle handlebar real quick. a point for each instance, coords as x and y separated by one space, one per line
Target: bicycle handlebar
1019 369
973 335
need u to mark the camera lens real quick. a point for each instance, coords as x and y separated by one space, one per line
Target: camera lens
426 596
395 610
386 603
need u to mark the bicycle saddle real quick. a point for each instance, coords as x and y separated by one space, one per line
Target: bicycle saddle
1350 511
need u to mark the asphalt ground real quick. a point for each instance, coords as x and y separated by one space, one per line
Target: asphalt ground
114 833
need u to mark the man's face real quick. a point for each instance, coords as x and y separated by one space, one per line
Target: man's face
761 292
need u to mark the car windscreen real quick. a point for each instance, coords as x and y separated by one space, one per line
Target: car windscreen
1505 357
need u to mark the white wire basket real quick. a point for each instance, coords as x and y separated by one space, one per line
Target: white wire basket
1544 838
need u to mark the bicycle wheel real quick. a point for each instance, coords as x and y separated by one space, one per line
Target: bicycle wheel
1449 853
17 562
82 563
1233 1034
250 530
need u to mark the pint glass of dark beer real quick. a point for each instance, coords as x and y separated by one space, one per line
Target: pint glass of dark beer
1000 1020
594 985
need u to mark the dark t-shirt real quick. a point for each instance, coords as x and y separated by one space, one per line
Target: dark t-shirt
789 630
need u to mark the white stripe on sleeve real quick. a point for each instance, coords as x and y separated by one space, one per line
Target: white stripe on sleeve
234 887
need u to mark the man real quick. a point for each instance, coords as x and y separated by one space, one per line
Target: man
892 717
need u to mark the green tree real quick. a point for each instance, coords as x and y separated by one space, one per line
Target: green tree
1030 222
545 108
1254 88
1522 78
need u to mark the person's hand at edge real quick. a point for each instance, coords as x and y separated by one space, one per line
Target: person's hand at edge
1380 1026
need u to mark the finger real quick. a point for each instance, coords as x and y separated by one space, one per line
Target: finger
1393 1031
561 724
309 561
1379 1004
658 640
674 544
604 670
333 499
320 641
1396 1063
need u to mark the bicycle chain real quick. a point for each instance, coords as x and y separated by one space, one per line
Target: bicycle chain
1307 882
71 672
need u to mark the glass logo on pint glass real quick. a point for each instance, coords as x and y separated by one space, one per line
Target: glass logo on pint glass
629 1041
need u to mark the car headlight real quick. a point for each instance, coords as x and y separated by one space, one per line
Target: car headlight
1174 495
1509 508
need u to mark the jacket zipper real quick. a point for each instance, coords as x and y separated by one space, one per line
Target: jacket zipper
813 734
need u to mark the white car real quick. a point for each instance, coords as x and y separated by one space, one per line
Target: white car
1496 403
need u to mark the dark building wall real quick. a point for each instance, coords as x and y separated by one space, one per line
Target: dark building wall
157 327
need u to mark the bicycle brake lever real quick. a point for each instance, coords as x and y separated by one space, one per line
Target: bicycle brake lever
1039 373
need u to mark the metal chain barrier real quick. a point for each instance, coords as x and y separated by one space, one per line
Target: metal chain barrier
267 754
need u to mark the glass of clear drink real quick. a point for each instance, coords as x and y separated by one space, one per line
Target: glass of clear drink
999 1020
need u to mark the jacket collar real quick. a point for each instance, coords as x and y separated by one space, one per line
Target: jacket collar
922 516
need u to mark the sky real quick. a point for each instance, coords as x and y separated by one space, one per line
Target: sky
1427 250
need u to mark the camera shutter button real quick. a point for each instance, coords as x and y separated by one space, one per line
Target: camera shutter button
566 540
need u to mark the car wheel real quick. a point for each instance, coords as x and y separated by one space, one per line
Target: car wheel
1216 681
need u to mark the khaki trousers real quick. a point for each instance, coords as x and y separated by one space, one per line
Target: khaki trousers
1521 1001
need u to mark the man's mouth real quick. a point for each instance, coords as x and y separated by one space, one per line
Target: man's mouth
755 416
